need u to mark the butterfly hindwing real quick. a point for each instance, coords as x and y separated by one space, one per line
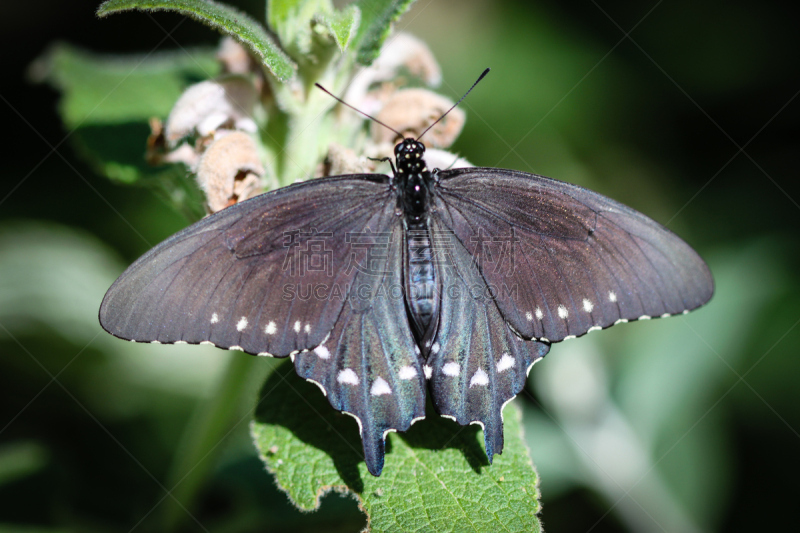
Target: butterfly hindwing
566 260
477 363
239 278
369 366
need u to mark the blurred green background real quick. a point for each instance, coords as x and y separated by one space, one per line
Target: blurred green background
686 111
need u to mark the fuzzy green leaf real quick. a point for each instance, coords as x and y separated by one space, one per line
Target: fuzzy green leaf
221 17
105 89
290 20
377 17
436 476
106 102
343 25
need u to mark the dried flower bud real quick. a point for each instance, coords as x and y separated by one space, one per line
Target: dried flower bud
341 160
157 152
235 59
229 171
207 106
401 51
411 111
156 142
406 51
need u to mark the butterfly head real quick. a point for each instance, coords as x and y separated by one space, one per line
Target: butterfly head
409 158
409 149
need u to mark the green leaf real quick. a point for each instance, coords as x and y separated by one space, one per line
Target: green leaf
436 476
221 17
377 17
291 21
106 102
107 89
342 25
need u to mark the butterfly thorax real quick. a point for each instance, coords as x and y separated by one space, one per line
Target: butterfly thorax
413 178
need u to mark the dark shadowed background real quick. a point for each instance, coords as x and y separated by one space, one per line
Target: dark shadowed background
686 111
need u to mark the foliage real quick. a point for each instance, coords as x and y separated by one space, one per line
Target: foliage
436 477
219 16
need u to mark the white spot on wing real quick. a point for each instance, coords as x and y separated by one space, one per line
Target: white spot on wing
539 314
307 328
612 296
271 328
379 386
562 312
208 342
214 318
587 305
479 378
297 327
428 371
644 317
236 348
451 369
621 321
435 348
322 352
407 372
347 376
529 316
241 324
505 363
594 328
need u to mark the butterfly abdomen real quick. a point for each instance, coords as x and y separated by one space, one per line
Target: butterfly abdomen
420 287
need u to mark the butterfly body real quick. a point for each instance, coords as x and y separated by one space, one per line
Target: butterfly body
384 290
413 182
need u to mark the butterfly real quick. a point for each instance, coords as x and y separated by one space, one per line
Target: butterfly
385 289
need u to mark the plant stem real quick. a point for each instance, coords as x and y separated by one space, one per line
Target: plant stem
204 436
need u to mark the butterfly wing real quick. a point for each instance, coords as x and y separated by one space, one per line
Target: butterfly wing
239 278
369 366
562 260
474 375
313 271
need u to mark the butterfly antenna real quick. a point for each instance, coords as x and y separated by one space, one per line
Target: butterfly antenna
357 110
485 72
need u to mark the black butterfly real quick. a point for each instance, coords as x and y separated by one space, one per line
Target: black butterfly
383 287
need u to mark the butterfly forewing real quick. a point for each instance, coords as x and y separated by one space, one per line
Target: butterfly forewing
241 278
563 260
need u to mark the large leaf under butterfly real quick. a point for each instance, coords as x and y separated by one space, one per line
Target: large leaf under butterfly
383 289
